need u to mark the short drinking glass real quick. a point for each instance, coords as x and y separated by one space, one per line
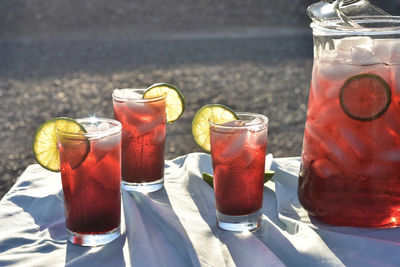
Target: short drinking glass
91 180
238 150
143 139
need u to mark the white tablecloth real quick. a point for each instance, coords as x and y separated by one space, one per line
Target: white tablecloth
176 227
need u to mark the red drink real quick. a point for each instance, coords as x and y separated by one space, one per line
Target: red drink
143 138
91 179
238 157
350 171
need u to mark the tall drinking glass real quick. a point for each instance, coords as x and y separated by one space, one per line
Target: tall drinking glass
238 152
143 139
91 180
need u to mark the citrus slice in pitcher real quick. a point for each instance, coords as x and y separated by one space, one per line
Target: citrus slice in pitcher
175 101
45 146
365 97
215 113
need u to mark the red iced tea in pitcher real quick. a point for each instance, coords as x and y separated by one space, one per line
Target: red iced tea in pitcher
350 171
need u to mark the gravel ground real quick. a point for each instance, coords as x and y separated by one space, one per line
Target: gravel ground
239 54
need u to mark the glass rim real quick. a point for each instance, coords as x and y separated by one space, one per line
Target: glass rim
140 100
337 26
114 129
264 121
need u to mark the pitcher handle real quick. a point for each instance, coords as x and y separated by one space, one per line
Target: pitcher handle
337 6
326 10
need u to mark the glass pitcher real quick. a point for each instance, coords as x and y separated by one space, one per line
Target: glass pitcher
350 168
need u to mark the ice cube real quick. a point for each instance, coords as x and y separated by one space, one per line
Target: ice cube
354 140
336 71
364 56
382 49
390 155
261 138
149 125
95 128
344 45
103 126
254 121
325 168
383 133
333 148
388 50
395 52
236 143
158 136
327 114
378 169
108 142
91 128
127 93
140 108
329 143
357 50
103 145
342 50
255 125
395 78
243 160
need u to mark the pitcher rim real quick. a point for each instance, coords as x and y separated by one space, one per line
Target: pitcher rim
389 25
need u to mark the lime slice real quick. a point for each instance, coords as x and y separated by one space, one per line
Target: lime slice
175 101
215 113
210 179
268 175
45 147
365 97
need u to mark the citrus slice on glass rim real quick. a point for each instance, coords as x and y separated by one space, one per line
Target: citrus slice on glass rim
365 97
215 113
45 145
175 101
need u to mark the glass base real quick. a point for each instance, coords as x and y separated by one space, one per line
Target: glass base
249 222
143 187
92 240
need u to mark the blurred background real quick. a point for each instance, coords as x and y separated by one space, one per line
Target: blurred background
64 58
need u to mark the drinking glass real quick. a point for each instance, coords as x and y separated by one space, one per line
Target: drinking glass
238 152
143 139
91 181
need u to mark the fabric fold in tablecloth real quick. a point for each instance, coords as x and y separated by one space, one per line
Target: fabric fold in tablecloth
176 227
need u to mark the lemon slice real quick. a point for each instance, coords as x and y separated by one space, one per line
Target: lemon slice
215 113
175 101
45 148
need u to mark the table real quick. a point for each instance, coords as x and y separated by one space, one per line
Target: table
176 226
